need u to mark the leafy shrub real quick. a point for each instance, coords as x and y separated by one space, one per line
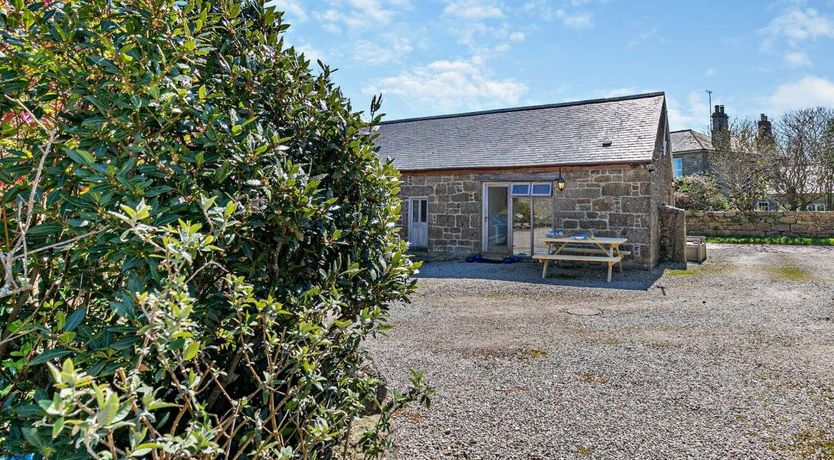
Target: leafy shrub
197 234
699 193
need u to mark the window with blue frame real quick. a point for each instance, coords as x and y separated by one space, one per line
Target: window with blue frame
521 189
677 164
542 189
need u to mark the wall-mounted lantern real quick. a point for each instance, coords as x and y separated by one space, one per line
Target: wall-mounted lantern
560 181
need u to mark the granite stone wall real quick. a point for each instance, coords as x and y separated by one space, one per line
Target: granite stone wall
672 234
454 212
760 223
616 201
610 203
661 182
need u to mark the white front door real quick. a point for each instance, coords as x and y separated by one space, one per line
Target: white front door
418 222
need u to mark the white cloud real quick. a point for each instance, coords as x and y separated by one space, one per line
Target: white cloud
361 14
690 113
710 72
292 8
573 20
389 47
311 53
485 40
798 59
809 91
647 36
799 25
444 86
517 37
473 9
580 20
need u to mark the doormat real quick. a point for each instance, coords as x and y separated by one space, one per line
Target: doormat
506 260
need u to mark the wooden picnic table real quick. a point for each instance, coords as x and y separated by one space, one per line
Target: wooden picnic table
596 250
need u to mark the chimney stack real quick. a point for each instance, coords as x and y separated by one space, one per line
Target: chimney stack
764 135
720 128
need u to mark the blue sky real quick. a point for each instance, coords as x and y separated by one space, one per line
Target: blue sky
431 57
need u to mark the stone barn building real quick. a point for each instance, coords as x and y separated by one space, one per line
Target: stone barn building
489 182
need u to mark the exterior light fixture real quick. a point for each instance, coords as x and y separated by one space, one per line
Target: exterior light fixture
560 181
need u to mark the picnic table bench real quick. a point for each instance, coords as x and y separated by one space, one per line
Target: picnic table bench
593 250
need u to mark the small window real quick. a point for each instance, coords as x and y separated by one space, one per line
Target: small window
542 189
763 206
419 210
521 190
819 207
677 163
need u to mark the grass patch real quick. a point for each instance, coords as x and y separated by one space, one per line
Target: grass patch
790 273
586 450
592 378
811 444
537 353
786 240
681 273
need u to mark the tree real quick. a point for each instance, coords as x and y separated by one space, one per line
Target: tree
828 162
799 164
197 236
740 166
699 193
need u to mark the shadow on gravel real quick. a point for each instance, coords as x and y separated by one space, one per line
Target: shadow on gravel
590 276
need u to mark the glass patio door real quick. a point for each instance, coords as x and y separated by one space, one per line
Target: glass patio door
497 227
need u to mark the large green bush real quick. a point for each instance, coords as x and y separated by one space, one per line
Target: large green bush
699 193
197 234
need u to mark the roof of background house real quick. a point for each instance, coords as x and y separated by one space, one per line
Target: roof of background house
548 135
688 140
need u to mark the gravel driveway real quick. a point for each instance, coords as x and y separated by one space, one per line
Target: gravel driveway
730 359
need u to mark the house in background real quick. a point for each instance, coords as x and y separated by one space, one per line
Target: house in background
691 151
489 182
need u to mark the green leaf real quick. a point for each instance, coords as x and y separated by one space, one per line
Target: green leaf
44 230
57 427
107 411
75 319
32 437
156 191
124 344
49 355
191 350
144 449
81 157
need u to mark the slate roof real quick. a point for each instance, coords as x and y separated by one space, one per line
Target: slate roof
548 135
688 140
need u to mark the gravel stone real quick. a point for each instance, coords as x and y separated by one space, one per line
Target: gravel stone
733 358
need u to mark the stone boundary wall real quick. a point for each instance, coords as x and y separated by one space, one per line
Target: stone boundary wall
760 223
